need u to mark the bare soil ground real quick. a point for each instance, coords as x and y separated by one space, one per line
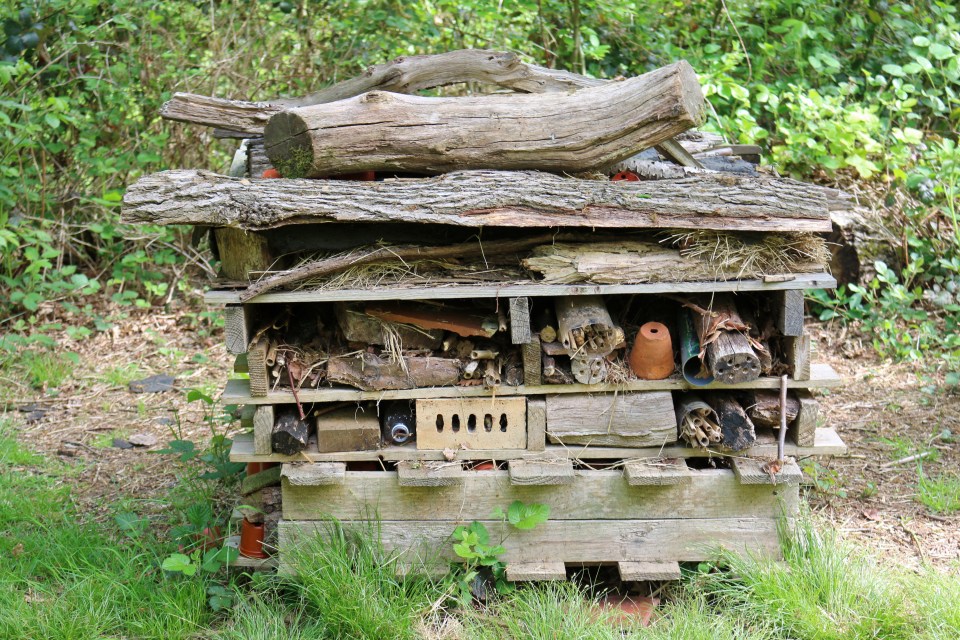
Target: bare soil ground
883 413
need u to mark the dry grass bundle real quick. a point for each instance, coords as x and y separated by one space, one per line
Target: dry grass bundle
753 254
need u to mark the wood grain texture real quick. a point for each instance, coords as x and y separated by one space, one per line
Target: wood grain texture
536 423
804 428
798 355
520 321
710 493
429 474
758 471
347 429
481 198
314 474
826 443
575 540
657 472
236 329
263 421
585 130
242 254
789 306
370 372
636 419
541 472
532 366
648 571
258 382
407 74
536 571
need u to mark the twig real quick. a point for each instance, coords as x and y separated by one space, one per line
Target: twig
916 456
782 436
327 266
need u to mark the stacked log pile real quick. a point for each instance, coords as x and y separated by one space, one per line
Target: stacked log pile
431 285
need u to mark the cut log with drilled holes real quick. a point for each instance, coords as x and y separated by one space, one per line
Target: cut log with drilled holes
263 421
736 428
541 472
370 372
584 326
472 423
536 424
586 130
347 429
730 357
763 407
290 433
407 74
612 419
481 198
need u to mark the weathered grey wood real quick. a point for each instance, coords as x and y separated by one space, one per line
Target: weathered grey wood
520 321
407 74
290 433
260 480
347 429
737 429
804 428
314 474
372 373
619 419
759 471
576 540
429 474
763 407
359 327
481 198
594 494
532 289
532 368
258 382
798 355
649 571
420 566
239 391
633 261
789 312
585 130
536 423
541 472
236 329
656 472
242 252
246 417
263 421
826 443
536 571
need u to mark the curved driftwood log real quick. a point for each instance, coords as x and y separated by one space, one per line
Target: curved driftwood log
581 131
403 75
482 198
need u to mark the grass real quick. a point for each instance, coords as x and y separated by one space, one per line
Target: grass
48 369
940 494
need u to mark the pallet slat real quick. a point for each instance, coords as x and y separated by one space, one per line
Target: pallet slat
429 474
541 472
646 571
754 471
317 474
536 571
656 472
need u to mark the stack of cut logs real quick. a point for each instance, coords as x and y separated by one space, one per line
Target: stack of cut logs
566 286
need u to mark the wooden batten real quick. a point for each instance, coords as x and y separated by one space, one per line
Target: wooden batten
656 472
798 355
788 311
541 472
612 419
258 374
263 421
536 424
520 321
804 428
536 571
314 474
648 571
429 474
759 471
236 329
347 429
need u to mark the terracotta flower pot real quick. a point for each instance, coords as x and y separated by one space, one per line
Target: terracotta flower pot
652 355
254 468
251 540
485 466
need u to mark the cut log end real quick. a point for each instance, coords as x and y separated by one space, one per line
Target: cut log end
288 144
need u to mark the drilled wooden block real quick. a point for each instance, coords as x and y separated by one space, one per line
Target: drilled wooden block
755 471
647 571
536 571
472 423
541 472
656 472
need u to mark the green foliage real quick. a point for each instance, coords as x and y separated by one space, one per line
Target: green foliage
940 494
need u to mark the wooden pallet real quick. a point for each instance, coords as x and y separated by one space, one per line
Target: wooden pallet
598 517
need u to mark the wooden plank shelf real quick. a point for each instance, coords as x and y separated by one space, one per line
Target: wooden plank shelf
237 391
826 443
525 289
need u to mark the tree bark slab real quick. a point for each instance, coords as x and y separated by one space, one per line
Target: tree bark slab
482 198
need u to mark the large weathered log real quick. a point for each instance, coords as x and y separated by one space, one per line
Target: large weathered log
482 198
403 75
586 130
736 429
371 373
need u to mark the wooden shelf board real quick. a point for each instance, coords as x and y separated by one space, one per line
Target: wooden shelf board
822 376
529 289
253 564
826 443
